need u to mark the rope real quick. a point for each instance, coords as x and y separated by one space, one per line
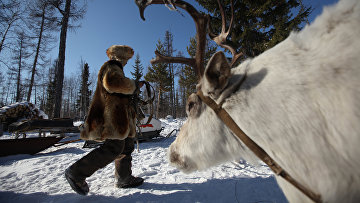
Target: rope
256 149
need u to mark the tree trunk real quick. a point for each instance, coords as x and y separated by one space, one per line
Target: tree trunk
19 73
171 70
35 95
33 70
158 104
61 60
68 106
4 37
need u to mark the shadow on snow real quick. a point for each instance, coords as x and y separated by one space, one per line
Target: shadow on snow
247 190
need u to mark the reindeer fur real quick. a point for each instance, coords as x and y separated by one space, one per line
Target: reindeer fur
300 102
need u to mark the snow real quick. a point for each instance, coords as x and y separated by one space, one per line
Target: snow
40 177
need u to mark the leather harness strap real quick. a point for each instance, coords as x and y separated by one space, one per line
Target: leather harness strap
138 103
258 151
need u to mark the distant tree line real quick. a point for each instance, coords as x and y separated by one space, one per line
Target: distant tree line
173 83
28 31
258 26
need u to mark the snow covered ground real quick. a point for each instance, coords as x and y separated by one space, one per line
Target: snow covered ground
40 178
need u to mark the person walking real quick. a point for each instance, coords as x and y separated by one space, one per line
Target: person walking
111 118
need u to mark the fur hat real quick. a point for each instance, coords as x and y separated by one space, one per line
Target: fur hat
121 53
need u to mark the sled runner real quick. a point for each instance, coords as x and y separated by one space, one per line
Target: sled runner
33 145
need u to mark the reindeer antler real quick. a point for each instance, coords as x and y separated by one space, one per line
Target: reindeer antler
221 39
201 21
169 59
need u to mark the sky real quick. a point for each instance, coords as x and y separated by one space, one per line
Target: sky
113 22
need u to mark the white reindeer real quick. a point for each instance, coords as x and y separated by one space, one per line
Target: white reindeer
300 102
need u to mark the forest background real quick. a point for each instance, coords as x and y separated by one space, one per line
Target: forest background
51 50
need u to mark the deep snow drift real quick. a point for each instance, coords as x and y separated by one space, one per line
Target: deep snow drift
40 178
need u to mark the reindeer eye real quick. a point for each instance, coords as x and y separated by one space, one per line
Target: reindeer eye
190 110
191 105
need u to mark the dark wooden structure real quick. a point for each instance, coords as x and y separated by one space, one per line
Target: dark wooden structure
41 126
33 145
27 145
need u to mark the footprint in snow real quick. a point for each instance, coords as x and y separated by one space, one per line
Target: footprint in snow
148 173
173 171
155 164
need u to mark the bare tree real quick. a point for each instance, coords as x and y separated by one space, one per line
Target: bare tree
9 87
69 11
2 88
9 13
20 54
41 21
41 86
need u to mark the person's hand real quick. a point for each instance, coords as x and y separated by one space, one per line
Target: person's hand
141 83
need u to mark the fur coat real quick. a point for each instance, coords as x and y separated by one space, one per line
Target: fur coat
111 114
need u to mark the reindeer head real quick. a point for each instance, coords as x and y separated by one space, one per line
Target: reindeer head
202 125
204 140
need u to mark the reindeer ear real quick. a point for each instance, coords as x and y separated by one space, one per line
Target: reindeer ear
217 75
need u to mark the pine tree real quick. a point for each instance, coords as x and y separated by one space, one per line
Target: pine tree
158 74
258 25
137 75
83 101
138 69
169 50
188 78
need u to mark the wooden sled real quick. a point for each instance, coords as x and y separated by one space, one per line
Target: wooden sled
34 145
54 126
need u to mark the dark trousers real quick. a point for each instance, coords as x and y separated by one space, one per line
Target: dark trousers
112 150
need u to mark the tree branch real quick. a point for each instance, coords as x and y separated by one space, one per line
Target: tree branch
56 4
